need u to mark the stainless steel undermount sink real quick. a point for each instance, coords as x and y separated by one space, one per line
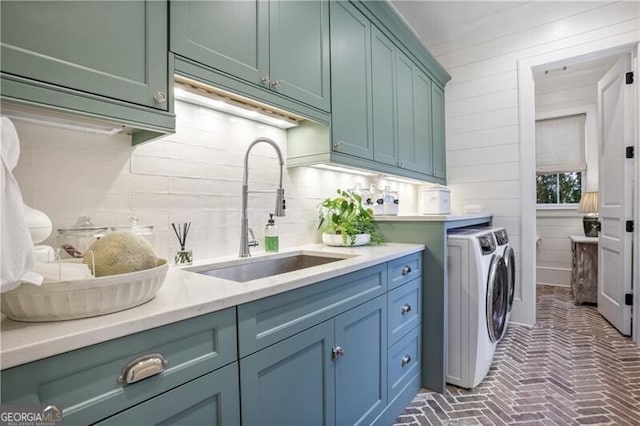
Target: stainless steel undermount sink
249 269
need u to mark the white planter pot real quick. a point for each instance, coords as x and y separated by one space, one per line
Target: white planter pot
336 240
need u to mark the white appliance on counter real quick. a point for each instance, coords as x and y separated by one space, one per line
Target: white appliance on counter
435 199
477 304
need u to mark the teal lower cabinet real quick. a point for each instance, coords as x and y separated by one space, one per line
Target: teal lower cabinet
360 370
291 382
321 354
332 373
89 384
212 399
433 234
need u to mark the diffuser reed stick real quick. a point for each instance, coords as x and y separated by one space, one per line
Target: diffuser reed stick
183 256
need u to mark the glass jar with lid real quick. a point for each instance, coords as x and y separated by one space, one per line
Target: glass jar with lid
145 231
73 242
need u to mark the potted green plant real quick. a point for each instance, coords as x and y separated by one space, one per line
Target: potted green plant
345 222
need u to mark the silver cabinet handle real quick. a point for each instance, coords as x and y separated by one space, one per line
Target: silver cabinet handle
337 145
160 97
406 270
400 163
265 80
337 352
405 360
142 367
275 84
405 308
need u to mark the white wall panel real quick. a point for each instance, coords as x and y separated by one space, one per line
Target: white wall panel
482 60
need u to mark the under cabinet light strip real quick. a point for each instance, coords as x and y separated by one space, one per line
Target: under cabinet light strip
212 100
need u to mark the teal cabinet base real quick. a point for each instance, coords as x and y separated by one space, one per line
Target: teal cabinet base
401 401
434 326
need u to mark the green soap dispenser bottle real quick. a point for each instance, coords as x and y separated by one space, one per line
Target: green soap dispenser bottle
271 243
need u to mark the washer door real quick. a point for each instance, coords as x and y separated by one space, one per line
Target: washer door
510 260
497 298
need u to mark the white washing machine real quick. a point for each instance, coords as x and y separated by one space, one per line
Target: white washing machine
506 251
477 304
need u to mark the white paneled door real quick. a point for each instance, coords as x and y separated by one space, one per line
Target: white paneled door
616 130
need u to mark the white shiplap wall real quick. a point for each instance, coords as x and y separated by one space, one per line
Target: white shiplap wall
193 175
483 145
556 94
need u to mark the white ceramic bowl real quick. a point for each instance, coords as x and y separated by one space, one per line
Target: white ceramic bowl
65 300
336 240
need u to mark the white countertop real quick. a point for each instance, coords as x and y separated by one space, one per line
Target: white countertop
184 295
583 239
434 217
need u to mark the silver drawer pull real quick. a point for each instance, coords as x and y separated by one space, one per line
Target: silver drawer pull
142 367
406 270
405 360
405 308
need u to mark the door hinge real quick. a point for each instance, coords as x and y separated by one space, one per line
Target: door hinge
628 77
630 152
628 299
628 226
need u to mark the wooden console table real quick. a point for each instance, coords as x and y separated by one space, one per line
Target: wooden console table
584 269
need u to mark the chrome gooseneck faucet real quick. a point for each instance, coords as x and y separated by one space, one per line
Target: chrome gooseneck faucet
245 244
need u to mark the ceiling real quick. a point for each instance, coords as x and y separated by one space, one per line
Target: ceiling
439 21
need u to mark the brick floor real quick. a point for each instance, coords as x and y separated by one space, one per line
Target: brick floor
572 368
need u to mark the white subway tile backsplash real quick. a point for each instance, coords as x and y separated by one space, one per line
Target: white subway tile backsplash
194 175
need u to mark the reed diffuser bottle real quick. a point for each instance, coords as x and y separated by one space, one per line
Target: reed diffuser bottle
183 256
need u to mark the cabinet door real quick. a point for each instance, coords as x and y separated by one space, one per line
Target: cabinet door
299 51
212 399
438 132
382 92
350 81
361 373
230 36
405 111
414 117
117 50
291 382
423 150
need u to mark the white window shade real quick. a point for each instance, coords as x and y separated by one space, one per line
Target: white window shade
560 144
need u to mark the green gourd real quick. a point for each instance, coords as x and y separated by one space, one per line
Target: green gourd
119 253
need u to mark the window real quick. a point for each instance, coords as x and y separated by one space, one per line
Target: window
560 160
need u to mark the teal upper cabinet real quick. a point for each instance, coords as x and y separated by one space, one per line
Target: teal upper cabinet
386 92
230 36
117 50
279 46
383 77
100 63
401 108
351 81
438 132
299 51
419 154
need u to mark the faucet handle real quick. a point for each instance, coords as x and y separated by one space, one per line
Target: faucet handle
253 242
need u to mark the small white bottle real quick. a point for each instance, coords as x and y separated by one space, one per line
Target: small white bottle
390 201
375 200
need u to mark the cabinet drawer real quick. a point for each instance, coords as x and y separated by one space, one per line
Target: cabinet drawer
84 383
404 309
403 362
266 321
404 269
213 399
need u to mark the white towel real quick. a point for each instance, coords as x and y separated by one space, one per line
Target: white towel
63 271
17 260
